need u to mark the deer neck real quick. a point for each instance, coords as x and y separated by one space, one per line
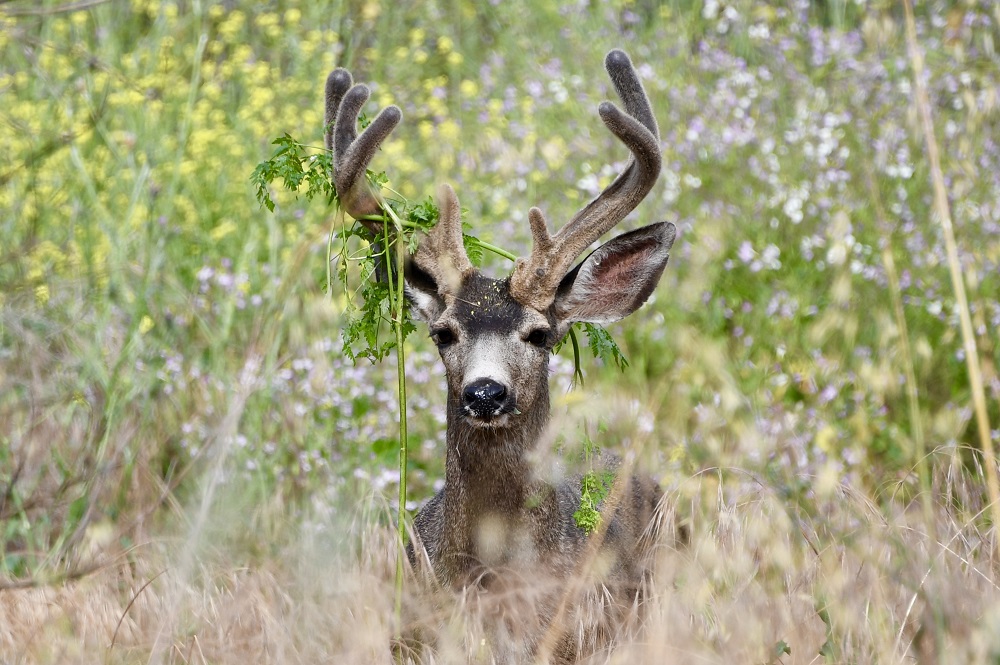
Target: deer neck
489 481
491 465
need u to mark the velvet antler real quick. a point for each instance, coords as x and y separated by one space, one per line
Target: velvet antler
535 280
441 254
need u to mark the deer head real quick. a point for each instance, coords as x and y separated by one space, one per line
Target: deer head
495 336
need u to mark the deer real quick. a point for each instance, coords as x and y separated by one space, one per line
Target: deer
497 525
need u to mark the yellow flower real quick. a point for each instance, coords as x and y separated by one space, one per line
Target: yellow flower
42 294
266 20
145 324
232 26
370 11
405 164
554 151
449 131
469 88
222 230
825 439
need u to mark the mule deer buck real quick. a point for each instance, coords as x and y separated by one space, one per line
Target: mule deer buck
496 526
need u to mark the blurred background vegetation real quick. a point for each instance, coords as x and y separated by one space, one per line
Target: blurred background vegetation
158 327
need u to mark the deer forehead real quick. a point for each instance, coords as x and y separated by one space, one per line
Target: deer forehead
485 305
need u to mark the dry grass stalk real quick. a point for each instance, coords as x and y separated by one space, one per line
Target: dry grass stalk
754 575
943 211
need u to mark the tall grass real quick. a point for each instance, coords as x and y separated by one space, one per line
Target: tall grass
192 471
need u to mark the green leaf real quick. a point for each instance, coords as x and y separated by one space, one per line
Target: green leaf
293 164
424 214
377 179
77 509
473 249
587 517
594 488
603 346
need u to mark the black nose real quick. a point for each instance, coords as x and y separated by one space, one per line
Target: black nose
484 397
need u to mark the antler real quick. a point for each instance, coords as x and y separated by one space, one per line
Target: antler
352 153
535 280
441 254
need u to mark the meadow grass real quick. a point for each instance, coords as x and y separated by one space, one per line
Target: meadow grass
192 470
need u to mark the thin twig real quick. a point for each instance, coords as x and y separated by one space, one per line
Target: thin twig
131 602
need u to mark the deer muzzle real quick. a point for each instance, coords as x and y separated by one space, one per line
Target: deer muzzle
486 399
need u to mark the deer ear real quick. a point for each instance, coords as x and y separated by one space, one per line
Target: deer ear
617 278
426 304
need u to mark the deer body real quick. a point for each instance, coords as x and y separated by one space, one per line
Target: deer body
495 512
498 525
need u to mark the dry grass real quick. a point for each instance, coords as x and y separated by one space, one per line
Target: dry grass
852 582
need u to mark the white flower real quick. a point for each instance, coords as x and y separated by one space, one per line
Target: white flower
837 254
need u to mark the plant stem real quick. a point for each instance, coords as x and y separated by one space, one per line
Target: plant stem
329 259
412 225
957 282
398 307
496 250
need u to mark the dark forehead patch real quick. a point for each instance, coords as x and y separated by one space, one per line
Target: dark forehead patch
487 305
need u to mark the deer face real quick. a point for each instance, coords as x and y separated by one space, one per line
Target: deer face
495 348
494 336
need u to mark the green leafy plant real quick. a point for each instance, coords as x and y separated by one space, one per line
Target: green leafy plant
594 488
294 165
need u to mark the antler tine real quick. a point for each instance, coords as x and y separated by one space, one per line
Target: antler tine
337 84
353 153
629 89
442 253
535 280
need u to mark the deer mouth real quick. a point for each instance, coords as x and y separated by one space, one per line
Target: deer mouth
489 422
492 419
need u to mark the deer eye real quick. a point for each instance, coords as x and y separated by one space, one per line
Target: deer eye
537 337
443 336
